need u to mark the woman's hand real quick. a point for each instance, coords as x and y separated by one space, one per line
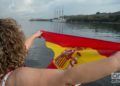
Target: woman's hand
38 34
30 40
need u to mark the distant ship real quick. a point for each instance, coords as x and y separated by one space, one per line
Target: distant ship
59 16
61 20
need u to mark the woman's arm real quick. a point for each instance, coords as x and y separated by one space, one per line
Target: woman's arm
89 72
84 73
30 40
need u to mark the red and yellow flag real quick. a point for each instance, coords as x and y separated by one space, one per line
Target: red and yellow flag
73 50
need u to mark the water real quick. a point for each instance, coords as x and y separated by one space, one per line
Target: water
39 56
100 31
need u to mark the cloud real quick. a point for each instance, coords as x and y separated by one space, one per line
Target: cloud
20 5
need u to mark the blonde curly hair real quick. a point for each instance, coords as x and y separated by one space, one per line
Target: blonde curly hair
12 48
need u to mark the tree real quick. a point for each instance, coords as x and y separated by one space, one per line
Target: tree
98 13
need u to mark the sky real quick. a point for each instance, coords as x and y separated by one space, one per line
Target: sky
47 8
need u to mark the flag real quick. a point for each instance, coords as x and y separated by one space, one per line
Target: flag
70 51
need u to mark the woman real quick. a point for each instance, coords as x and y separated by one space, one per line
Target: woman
13 50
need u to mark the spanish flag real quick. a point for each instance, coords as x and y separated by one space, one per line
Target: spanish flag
70 51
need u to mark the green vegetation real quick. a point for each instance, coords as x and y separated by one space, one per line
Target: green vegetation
95 18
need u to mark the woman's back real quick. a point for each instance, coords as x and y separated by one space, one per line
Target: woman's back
35 77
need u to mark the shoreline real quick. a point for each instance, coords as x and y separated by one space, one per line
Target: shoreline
114 23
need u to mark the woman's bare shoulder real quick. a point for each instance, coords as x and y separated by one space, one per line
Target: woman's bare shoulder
37 76
29 73
30 70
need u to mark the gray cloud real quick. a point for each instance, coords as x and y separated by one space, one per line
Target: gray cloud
46 8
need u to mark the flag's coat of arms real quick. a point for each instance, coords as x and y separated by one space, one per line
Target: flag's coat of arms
73 50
